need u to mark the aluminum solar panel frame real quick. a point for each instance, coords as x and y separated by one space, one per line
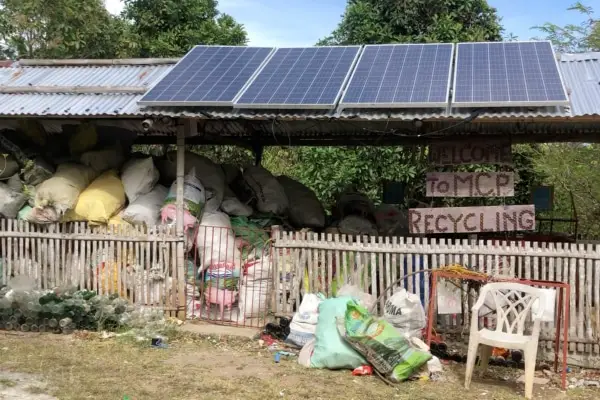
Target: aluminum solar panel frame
507 74
208 76
401 76
301 78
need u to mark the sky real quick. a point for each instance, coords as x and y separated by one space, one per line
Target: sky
283 23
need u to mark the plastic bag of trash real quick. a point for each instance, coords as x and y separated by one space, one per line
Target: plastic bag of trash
305 209
146 208
304 322
268 192
406 313
233 206
390 353
10 201
331 351
62 190
8 166
139 177
365 299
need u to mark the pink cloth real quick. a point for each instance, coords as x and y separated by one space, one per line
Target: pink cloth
168 214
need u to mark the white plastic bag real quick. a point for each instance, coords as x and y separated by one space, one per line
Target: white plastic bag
306 353
210 174
146 208
365 299
270 195
139 177
216 241
233 206
304 322
406 313
305 209
254 289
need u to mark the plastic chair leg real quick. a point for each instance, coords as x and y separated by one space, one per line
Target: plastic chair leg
471 357
530 357
486 353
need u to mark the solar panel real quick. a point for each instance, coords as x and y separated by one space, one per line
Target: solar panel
310 77
506 75
207 76
401 75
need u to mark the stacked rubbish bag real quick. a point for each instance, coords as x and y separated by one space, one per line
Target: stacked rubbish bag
341 333
90 174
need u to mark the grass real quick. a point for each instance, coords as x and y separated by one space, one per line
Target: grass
84 367
7 382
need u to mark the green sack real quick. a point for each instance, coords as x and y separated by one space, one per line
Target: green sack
390 353
331 351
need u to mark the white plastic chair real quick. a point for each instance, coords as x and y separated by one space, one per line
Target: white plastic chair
513 302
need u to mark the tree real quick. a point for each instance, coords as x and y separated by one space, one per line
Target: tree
571 169
574 38
62 29
396 21
170 28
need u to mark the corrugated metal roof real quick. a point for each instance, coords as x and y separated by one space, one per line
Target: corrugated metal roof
581 73
69 104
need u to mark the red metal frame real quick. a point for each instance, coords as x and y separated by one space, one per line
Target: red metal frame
561 286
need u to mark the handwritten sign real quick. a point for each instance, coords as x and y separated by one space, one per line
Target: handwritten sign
471 219
475 152
470 184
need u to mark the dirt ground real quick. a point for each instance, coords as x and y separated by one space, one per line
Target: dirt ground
83 366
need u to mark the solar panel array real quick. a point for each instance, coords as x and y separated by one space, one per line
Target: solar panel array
374 76
506 75
208 76
401 75
310 77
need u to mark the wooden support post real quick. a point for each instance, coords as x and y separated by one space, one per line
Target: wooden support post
182 129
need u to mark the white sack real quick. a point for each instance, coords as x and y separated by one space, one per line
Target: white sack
405 312
146 208
210 174
10 201
254 290
63 189
304 322
139 177
306 352
305 209
391 221
216 241
233 206
270 195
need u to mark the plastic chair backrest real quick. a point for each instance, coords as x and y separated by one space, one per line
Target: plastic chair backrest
513 302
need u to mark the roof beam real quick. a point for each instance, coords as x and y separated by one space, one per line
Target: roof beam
75 89
93 62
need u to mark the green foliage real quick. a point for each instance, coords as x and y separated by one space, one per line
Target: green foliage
170 28
574 38
390 21
62 29
571 168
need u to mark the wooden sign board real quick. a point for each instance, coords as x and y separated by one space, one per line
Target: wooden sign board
476 152
470 184
471 219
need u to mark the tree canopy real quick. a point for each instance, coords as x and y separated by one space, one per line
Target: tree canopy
574 38
393 21
170 28
62 29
